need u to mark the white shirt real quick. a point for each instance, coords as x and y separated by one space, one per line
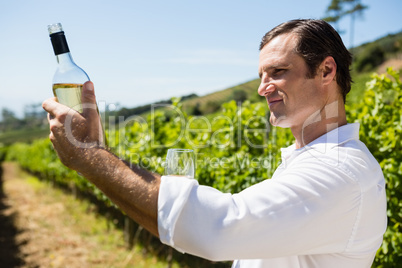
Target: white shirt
325 206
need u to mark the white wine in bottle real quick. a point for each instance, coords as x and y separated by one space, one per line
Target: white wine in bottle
69 94
68 78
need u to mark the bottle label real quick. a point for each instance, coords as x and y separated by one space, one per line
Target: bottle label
59 43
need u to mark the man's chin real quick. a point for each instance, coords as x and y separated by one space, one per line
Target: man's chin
278 122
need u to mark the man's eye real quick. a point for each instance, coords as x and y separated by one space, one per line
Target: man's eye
278 71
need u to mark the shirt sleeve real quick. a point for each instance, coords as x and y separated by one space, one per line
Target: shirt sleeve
297 213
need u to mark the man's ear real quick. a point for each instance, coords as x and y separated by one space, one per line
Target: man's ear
328 68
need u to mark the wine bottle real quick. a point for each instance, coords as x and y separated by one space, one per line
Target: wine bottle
69 78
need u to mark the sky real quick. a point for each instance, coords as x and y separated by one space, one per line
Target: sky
138 52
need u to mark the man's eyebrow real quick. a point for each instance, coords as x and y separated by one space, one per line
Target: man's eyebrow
273 66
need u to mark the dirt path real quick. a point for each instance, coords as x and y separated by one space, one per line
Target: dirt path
43 227
9 247
35 234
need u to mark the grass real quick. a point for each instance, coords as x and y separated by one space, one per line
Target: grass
92 233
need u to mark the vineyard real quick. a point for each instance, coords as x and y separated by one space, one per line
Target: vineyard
235 148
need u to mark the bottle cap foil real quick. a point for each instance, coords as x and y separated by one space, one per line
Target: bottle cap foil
55 28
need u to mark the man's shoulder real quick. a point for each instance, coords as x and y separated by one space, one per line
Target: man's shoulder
351 159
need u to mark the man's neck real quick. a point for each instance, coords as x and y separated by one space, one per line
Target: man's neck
329 118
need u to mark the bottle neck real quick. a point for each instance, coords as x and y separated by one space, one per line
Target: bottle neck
61 50
65 59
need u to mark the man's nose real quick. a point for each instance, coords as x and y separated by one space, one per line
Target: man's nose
266 89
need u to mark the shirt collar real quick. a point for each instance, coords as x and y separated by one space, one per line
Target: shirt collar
330 139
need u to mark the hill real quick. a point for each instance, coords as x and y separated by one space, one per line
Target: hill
371 55
212 102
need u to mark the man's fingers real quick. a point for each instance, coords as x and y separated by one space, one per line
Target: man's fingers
57 110
88 102
54 108
69 127
49 106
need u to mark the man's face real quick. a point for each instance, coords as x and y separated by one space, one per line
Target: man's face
291 96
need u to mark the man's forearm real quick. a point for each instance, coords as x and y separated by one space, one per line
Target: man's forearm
133 190
75 135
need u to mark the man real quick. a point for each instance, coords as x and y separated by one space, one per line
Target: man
325 205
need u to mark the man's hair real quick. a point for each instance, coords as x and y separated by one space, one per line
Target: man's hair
317 40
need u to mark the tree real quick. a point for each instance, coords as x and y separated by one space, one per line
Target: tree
7 115
239 95
334 11
338 9
34 115
9 120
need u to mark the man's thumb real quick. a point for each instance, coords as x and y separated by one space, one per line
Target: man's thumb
88 98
